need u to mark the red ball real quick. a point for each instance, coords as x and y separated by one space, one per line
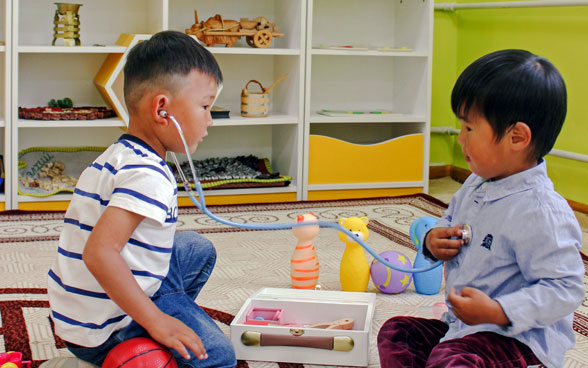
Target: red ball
139 352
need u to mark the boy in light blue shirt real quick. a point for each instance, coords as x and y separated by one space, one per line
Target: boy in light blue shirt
513 289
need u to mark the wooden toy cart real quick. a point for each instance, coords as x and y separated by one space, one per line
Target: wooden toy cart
258 32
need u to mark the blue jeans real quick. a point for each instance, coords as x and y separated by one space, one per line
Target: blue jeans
191 264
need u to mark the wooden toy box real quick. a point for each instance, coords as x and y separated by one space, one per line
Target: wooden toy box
289 339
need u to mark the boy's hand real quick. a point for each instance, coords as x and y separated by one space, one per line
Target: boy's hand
440 244
473 307
174 334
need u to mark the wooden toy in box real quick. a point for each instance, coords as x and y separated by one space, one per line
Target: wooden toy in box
305 326
258 32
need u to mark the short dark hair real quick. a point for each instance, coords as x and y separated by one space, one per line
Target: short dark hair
509 86
165 55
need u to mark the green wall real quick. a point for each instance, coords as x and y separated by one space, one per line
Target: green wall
558 33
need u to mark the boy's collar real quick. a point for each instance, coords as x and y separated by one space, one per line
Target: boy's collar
521 181
139 141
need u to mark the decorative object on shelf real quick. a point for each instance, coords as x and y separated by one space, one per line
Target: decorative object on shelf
110 74
390 281
256 104
304 264
218 112
45 171
67 24
65 103
354 272
234 172
258 32
70 113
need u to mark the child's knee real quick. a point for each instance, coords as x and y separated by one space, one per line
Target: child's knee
191 241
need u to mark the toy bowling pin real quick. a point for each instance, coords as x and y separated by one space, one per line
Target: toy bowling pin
304 265
354 272
428 282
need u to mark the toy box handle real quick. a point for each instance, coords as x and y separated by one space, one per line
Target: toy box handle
337 343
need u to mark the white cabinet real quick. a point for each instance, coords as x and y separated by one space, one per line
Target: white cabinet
390 69
372 57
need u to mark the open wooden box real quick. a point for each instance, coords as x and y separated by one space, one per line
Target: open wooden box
292 341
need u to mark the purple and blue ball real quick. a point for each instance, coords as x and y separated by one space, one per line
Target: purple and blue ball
387 280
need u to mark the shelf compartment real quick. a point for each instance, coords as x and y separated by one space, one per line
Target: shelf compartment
381 23
56 76
398 85
285 98
288 15
278 143
35 21
334 161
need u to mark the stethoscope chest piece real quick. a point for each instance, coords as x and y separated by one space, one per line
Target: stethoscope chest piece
466 233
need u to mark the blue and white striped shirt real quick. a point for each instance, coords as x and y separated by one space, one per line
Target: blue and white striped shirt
524 253
128 175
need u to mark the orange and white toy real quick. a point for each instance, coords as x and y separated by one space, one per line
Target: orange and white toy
304 265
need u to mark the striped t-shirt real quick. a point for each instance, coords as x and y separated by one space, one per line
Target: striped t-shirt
128 175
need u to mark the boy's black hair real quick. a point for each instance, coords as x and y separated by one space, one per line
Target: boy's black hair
509 86
160 58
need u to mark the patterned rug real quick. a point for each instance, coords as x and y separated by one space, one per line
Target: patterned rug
247 261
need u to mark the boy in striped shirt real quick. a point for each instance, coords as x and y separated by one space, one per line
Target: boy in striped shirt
121 270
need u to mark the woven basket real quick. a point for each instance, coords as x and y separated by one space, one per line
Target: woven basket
254 104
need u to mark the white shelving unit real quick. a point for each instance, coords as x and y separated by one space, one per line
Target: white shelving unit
5 137
41 71
387 67
319 77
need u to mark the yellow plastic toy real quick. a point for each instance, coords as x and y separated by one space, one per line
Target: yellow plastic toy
354 272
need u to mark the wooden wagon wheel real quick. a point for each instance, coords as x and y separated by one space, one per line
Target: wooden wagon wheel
262 39
249 40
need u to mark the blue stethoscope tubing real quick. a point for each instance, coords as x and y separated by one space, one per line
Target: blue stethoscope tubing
284 226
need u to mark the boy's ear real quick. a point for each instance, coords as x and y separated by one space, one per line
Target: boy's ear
520 136
159 103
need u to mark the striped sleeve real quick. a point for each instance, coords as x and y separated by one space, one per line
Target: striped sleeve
144 190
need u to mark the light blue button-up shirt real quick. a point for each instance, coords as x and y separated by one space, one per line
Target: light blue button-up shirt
524 253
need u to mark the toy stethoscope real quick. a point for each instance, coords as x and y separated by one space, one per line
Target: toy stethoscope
284 226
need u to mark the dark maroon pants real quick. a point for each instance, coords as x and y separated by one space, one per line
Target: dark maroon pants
414 342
